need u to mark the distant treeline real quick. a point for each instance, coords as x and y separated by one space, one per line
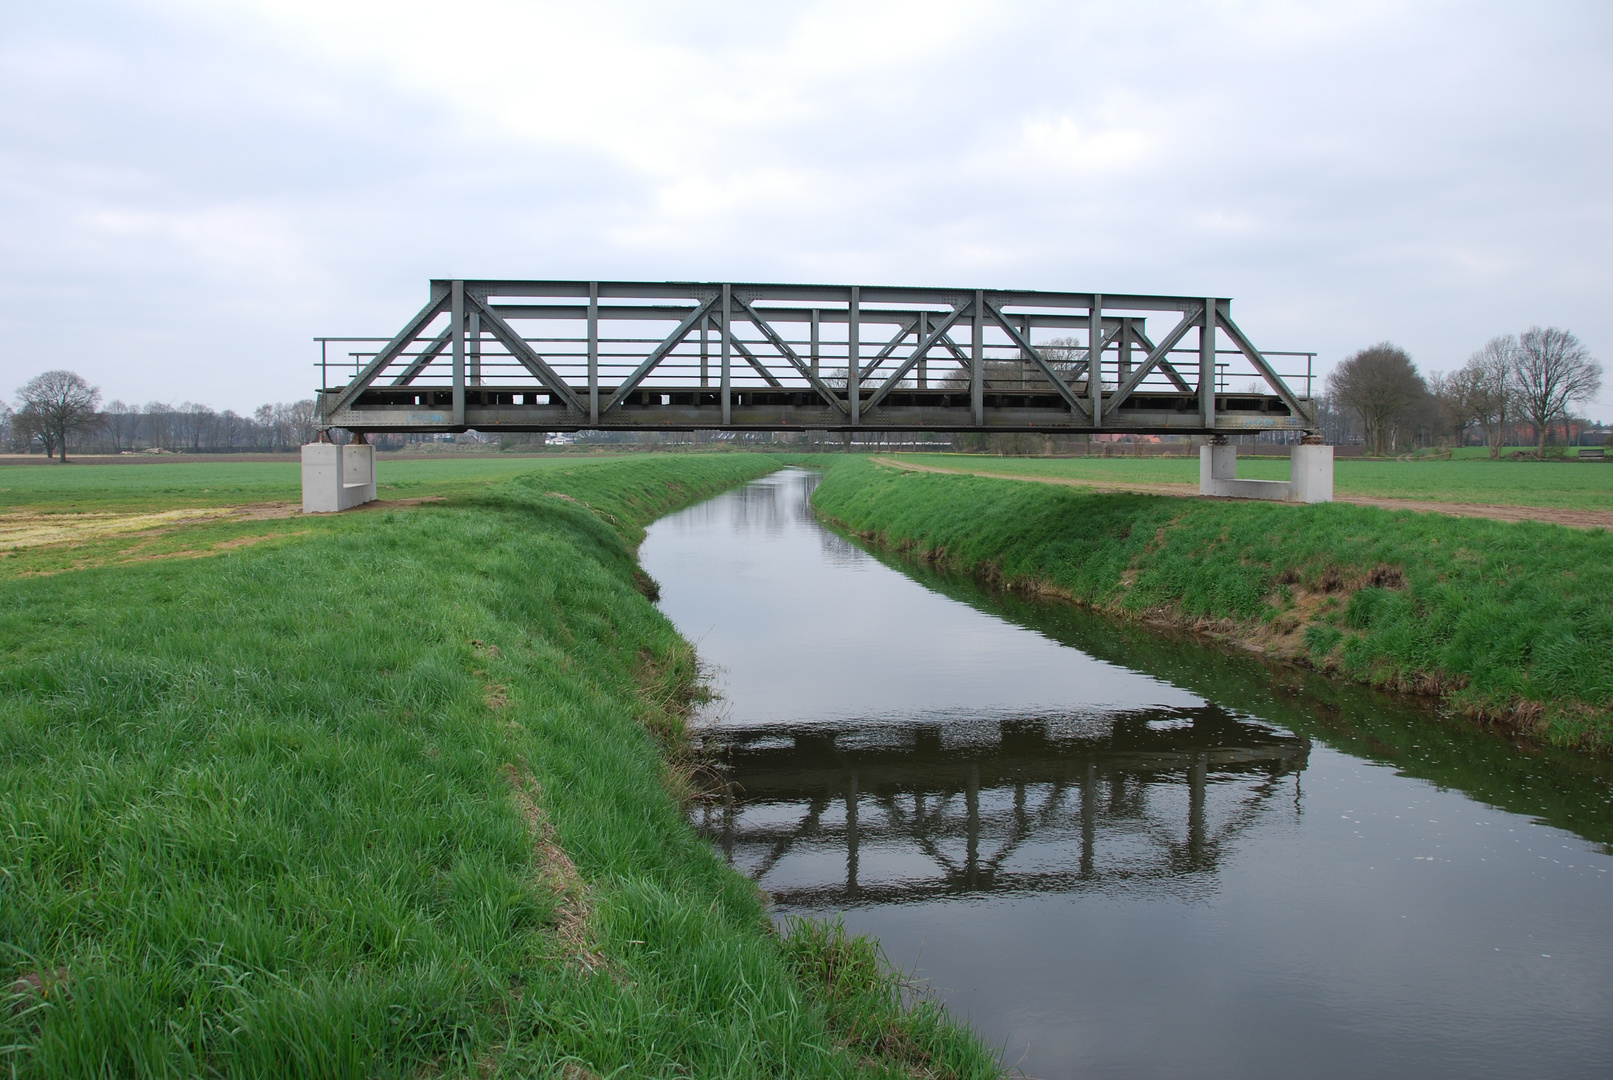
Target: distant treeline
184 428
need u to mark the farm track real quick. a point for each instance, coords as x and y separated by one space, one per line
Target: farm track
1578 519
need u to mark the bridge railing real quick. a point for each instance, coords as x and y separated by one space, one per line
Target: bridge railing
342 358
588 345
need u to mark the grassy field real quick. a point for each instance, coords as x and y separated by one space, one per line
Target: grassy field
1574 485
392 798
175 484
55 518
1504 620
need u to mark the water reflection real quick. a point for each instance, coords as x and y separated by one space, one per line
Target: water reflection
1093 840
841 816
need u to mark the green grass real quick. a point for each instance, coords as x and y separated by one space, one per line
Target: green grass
1571 485
312 810
1505 620
171 484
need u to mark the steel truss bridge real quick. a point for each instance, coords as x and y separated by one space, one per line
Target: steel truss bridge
674 356
910 818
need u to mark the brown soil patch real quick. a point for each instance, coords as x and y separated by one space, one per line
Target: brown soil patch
182 553
1555 515
556 871
1578 519
21 529
26 528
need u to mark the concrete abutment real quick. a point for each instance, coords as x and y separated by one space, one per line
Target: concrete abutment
337 477
1310 472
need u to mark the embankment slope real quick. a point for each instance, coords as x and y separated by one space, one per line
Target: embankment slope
1504 621
390 801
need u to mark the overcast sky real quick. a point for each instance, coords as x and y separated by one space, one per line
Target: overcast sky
191 191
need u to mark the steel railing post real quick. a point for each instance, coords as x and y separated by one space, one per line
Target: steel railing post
977 362
727 354
457 315
1207 365
853 357
593 353
1095 360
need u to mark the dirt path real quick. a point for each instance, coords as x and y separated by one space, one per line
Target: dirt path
31 528
1579 519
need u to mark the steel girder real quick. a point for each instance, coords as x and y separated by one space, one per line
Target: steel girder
985 360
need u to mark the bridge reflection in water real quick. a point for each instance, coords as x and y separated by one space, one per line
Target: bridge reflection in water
835 816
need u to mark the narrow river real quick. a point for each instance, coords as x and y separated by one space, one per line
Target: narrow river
1119 854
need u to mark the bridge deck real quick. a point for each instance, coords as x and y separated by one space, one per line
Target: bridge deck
674 408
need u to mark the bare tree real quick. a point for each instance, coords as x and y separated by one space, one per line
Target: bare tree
1488 386
159 424
1554 372
192 421
123 421
1380 384
60 403
304 421
29 426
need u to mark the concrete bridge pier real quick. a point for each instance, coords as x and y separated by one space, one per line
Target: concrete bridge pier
1310 474
337 477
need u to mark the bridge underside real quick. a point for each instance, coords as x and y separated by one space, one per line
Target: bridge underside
628 356
673 408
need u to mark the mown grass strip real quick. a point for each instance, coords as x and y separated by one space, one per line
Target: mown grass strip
384 802
1508 622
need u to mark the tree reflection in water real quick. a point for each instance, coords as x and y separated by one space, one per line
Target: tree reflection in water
841 815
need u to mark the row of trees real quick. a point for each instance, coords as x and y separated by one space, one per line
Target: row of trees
58 411
1532 380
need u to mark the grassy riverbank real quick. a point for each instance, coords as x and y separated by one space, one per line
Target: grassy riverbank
392 798
1505 621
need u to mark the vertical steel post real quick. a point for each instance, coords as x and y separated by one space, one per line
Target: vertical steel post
1095 360
1207 365
727 354
456 302
593 354
816 341
971 805
852 838
324 373
1089 820
474 334
977 363
924 358
1197 782
854 356
705 355
1025 358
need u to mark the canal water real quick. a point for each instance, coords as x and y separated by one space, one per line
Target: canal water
1115 853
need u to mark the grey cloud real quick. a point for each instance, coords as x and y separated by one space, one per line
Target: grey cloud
187 196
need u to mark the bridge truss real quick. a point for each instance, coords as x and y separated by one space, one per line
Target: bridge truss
911 814
673 356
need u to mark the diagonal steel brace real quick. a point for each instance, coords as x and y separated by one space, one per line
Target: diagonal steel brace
660 353
773 338
530 360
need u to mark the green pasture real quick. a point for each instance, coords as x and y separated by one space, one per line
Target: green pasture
393 798
172 484
1568 484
